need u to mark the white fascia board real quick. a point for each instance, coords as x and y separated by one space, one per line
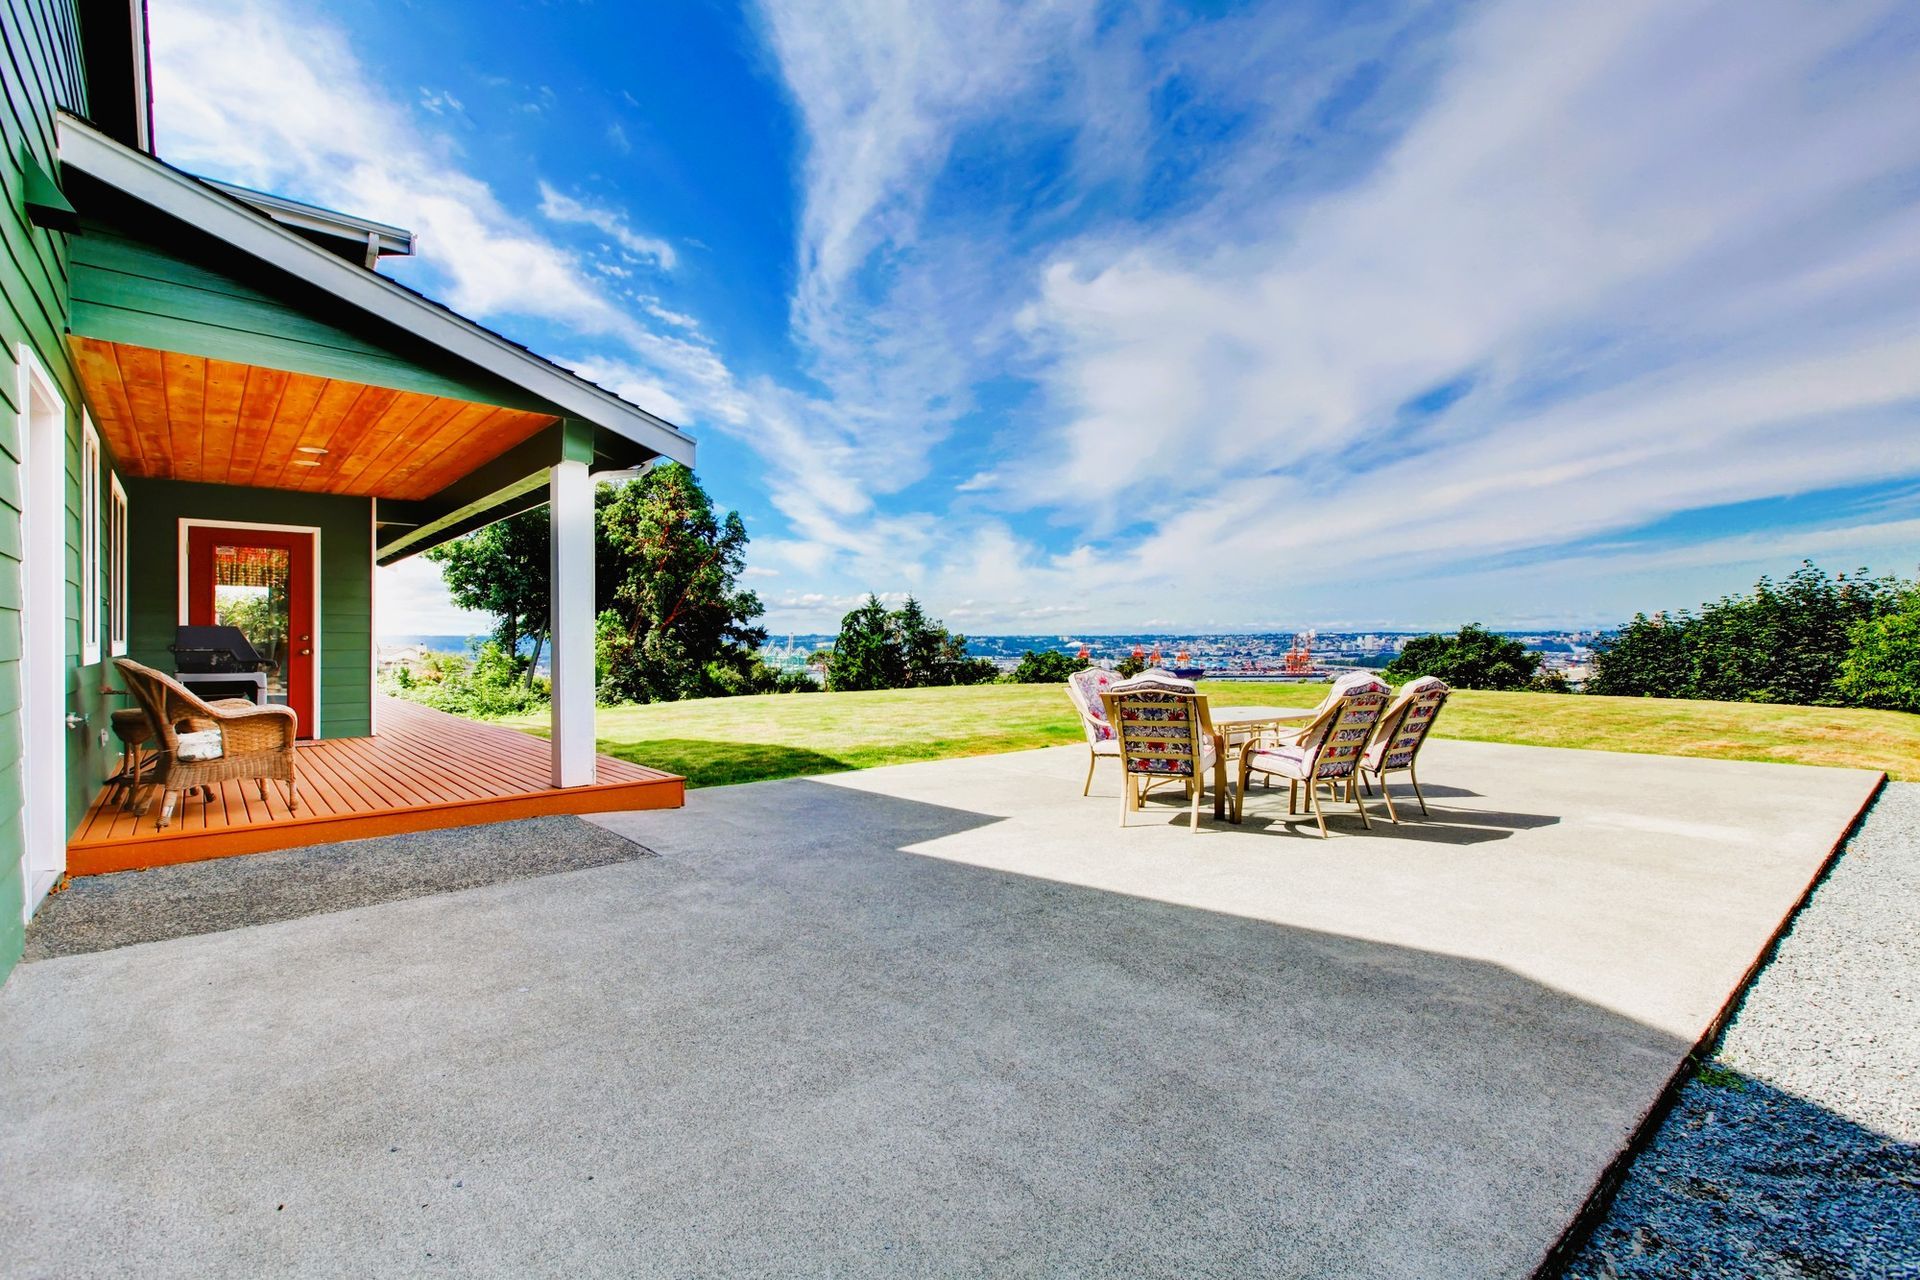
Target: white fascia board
310 217
185 197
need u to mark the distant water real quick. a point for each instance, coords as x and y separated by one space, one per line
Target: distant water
439 644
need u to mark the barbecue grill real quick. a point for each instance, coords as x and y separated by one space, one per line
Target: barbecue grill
220 662
216 650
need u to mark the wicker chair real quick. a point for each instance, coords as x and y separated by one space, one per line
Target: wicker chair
242 741
1403 728
1166 735
1327 752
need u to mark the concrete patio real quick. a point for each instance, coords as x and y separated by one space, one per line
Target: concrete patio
939 1019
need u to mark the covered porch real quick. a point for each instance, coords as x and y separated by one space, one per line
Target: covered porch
422 770
260 396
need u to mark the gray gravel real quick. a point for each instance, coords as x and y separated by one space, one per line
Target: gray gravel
1794 1151
99 913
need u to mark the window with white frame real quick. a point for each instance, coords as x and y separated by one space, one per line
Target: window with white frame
92 532
116 568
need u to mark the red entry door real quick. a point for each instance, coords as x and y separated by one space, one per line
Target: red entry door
260 580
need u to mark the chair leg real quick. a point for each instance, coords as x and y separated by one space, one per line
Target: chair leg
1353 794
1414 778
1092 760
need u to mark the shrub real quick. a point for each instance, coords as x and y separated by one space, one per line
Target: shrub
491 683
1050 667
1882 669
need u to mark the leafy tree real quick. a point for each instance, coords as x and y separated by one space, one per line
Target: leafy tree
1476 658
1046 667
1783 642
503 570
1647 658
1882 669
683 627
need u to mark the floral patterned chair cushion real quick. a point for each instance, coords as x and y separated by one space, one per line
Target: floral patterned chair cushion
1405 724
1163 734
1331 746
1084 688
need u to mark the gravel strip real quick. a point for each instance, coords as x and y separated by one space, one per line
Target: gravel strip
99 913
1795 1151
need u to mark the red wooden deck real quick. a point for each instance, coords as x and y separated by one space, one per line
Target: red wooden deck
422 770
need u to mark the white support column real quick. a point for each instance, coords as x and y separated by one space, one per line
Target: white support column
570 513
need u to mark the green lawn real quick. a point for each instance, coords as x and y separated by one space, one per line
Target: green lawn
724 740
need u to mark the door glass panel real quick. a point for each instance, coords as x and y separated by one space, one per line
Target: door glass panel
251 591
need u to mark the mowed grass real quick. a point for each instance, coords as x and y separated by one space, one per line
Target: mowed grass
717 741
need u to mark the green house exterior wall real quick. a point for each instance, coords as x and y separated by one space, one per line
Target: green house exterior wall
155 287
155 509
40 71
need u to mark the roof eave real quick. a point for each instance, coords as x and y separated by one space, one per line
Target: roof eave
252 232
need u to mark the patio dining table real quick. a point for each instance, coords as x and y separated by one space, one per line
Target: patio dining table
1229 721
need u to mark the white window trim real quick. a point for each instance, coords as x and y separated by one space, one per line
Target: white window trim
119 516
93 532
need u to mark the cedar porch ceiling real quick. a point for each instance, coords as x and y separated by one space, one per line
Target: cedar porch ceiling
180 417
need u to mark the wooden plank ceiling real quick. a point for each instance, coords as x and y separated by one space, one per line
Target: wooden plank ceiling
182 417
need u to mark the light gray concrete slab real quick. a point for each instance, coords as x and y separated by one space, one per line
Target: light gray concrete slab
943 1019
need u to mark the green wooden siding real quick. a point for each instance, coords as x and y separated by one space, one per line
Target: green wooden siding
40 71
132 289
155 509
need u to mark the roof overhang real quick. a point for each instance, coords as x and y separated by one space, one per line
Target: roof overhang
368 241
249 231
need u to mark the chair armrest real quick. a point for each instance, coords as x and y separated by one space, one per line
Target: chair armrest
259 728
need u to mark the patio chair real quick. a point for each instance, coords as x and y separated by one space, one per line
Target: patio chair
1404 726
1325 753
1084 688
201 744
1165 735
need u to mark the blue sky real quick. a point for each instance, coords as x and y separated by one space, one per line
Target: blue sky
1081 316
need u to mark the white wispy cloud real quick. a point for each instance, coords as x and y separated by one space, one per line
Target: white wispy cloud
1646 257
609 222
1664 252
256 94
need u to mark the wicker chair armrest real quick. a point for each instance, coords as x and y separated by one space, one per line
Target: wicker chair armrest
256 728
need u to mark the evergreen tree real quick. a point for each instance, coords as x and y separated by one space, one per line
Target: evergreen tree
683 627
865 655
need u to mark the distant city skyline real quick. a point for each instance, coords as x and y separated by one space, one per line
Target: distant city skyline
1211 318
